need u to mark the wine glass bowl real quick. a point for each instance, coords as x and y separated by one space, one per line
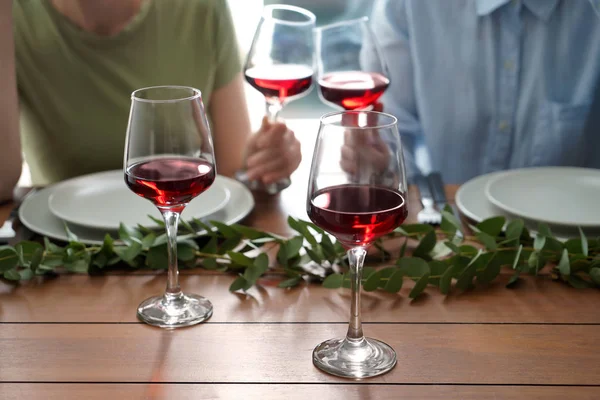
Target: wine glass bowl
280 65
357 193
352 73
169 160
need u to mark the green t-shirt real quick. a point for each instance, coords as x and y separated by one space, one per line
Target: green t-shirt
75 86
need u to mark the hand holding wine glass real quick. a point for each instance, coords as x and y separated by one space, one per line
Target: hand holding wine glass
280 66
352 73
169 160
357 209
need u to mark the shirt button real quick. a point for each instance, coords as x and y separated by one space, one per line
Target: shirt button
503 126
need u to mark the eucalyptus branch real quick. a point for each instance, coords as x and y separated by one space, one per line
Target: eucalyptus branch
440 259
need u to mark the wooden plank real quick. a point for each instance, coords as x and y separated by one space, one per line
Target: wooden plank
80 298
289 392
221 353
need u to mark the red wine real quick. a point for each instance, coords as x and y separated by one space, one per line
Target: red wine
280 82
353 90
169 182
357 214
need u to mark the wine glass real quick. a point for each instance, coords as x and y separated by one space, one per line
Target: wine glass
357 192
169 160
280 65
352 73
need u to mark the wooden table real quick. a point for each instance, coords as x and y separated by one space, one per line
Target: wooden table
77 337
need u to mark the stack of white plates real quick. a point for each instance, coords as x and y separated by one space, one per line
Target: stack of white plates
564 198
94 205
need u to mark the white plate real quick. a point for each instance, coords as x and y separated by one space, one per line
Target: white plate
35 214
103 201
471 201
564 196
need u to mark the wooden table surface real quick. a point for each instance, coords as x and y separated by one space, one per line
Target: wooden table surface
77 337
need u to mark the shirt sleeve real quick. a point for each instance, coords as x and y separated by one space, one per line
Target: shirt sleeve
390 26
228 63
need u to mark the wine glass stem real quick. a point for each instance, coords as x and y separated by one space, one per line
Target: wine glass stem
273 109
171 220
356 257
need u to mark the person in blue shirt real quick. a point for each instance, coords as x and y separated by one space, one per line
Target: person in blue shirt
488 85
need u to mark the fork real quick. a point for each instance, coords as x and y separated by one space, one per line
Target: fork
429 214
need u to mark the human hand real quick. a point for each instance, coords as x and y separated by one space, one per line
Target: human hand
273 153
365 151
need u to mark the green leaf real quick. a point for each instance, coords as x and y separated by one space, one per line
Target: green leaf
584 243
51 247
8 258
468 250
255 271
186 251
437 268
579 283
148 240
513 280
26 274
210 264
26 250
394 283
249 232
240 259
157 221
227 231
403 248
492 226
333 281
187 226
314 255
12 275
413 267
446 280
211 246
544 230
229 244
70 235
328 248
36 259
240 284
77 266
282 253
514 229
419 286
452 247
491 271
157 257
129 235
487 240
449 222
564 265
517 257
408 229
426 245
291 282
293 246
129 253
262 262
372 282
595 275
303 230
539 242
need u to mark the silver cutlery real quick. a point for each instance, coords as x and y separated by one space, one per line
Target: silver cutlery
429 214
438 191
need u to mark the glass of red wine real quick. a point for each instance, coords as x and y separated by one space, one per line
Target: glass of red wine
280 65
357 193
352 73
169 160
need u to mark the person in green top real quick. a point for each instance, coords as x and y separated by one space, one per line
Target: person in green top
77 62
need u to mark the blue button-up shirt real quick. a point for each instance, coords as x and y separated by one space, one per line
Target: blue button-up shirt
492 84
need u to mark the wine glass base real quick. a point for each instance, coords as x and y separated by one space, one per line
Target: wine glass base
258 186
175 311
364 358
